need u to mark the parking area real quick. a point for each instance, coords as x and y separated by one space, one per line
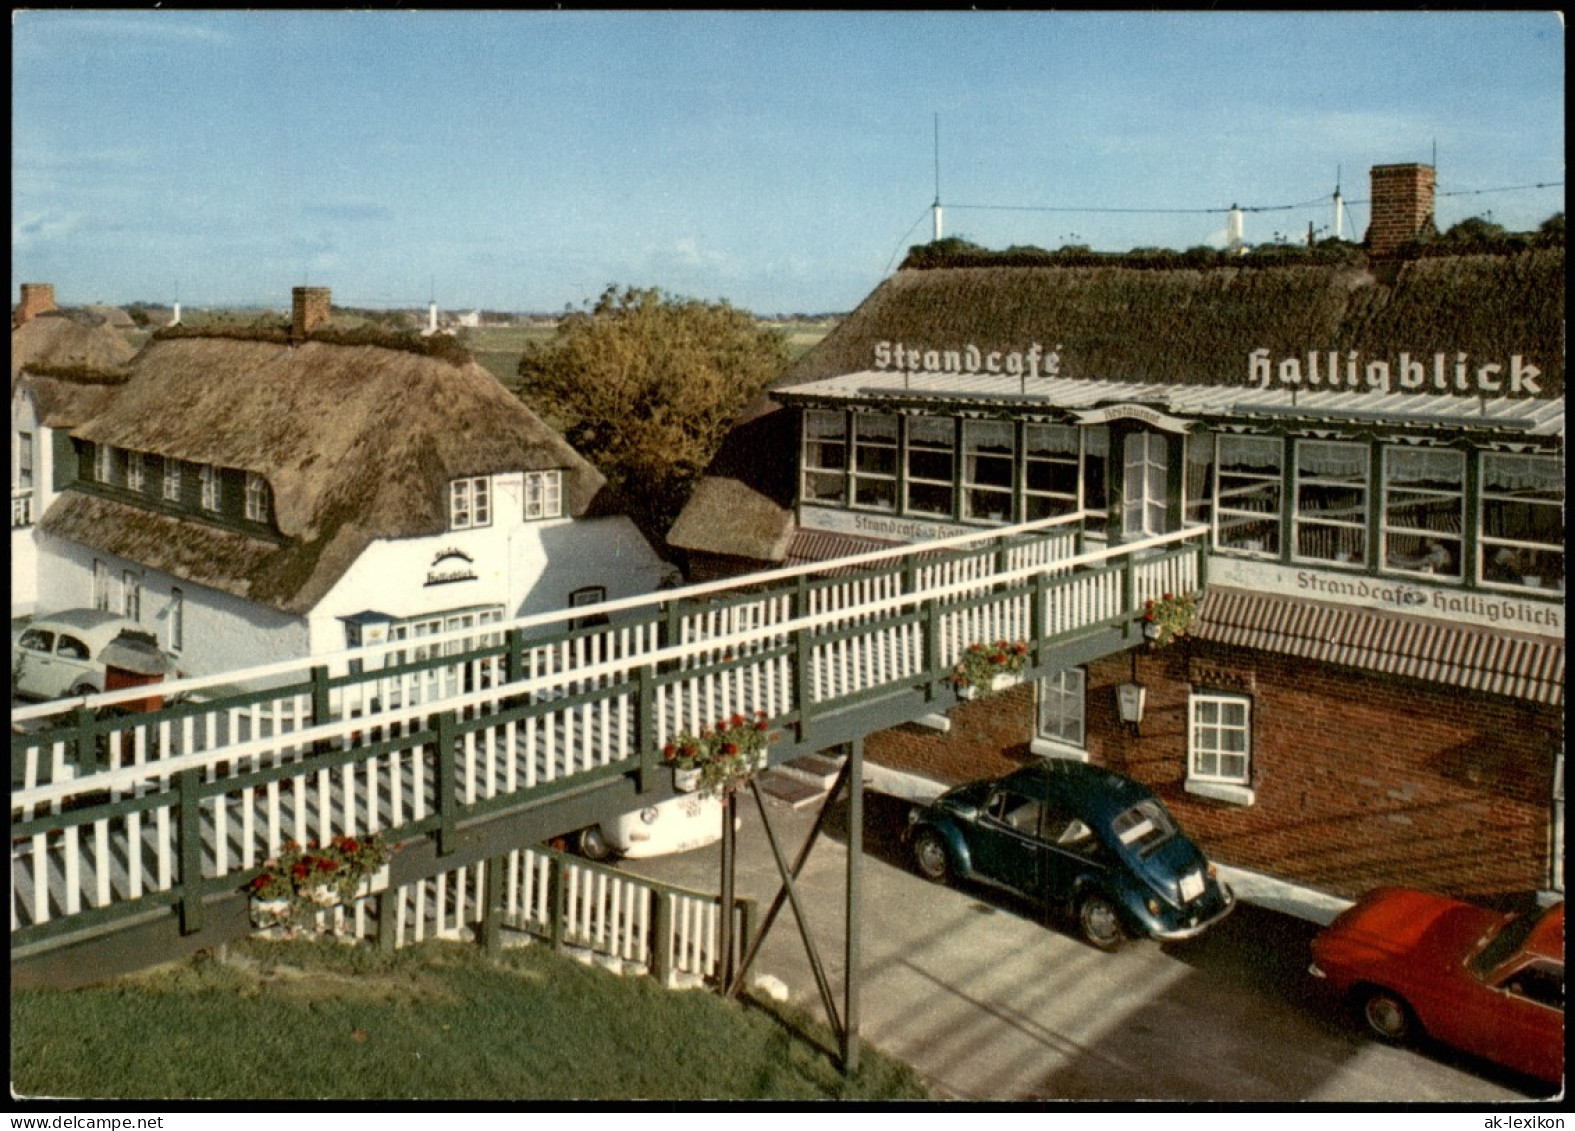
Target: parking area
990 1003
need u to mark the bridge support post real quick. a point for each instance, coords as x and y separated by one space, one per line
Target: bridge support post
492 906
447 787
724 962
645 727
190 853
388 920
854 918
661 936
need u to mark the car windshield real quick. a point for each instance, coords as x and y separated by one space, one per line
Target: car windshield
1508 940
1144 827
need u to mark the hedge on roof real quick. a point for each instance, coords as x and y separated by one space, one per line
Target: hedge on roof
443 347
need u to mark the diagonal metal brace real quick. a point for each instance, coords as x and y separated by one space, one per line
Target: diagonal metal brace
798 914
798 867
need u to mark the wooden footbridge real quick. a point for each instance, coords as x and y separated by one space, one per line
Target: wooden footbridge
134 834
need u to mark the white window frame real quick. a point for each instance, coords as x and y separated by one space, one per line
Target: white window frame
818 445
212 493
1232 786
1068 503
470 503
136 472
1063 695
101 585
1146 475
256 497
1447 542
131 595
23 466
177 620
1235 487
103 463
543 495
868 446
1491 546
992 492
1346 537
173 474
933 447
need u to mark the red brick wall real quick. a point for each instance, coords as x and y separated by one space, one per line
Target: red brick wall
310 307
989 737
37 298
1359 779
1402 205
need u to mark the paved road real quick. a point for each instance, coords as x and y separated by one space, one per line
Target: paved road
989 1003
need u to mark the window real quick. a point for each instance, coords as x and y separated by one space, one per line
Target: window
932 465
37 640
1147 464
256 497
1061 712
24 460
100 585
543 494
177 620
588 595
875 461
172 477
136 472
208 476
70 648
1096 462
1050 470
825 456
1248 490
1015 810
1144 827
1522 521
130 595
1219 746
103 463
470 503
1424 505
1200 477
1331 501
989 457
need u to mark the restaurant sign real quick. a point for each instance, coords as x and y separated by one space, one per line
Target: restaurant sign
1487 610
1440 373
878 525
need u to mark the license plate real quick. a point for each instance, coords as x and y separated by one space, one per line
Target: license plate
1191 886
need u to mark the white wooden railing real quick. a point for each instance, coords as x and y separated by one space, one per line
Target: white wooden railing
21 507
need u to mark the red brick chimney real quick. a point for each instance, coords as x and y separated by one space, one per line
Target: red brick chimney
309 309
1402 203
37 298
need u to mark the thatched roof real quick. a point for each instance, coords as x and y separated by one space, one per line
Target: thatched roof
65 399
67 338
1159 325
356 442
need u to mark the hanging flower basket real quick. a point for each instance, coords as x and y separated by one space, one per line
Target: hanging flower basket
984 670
302 881
1168 618
724 757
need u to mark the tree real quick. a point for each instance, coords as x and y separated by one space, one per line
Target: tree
645 385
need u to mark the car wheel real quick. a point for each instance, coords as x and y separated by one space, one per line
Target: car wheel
591 844
83 689
1100 923
1388 1015
929 854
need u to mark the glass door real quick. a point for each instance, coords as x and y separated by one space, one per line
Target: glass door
1145 458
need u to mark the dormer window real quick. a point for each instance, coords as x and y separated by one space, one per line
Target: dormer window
136 472
209 477
171 479
470 503
256 497
543 494
103 463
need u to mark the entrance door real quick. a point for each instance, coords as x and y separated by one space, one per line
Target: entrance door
1145 458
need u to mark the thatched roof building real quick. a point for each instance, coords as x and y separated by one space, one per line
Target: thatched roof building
67 338
356 443
1149 324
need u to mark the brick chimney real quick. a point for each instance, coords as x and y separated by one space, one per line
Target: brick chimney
309 310
1402 203
37 298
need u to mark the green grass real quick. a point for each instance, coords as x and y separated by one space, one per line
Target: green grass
305 1020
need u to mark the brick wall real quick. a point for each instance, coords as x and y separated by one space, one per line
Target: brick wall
989 737
310 307
37 298
1402 206
1359 779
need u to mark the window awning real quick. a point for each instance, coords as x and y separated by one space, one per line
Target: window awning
809 546
1478 659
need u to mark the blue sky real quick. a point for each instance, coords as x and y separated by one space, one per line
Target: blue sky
780 161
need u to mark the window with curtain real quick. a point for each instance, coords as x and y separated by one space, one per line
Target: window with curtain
1331 501
1424 502
1248 493
1522 521
989 463
875 461
1050 470
932 465
825 456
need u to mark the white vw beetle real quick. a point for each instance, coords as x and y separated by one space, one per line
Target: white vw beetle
678 824
61 654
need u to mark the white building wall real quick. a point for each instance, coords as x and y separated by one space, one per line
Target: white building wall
24 539
221 632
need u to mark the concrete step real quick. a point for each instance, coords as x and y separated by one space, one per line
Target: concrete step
815 769
796 792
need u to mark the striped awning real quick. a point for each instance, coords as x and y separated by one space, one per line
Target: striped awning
824 545
1480 659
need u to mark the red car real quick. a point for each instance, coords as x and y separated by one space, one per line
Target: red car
1486 982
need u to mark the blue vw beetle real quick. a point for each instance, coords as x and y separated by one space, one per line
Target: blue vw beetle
1079 838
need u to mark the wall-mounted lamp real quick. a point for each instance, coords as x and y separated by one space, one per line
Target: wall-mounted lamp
1129 702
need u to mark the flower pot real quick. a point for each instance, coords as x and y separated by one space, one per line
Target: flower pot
270 912
1150 630
686 779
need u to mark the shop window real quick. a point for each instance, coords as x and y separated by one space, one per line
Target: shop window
256 497
825 456
469 503
875 461
1248 494
208 476
1145 461
1050 470
989 458
136 472
1522 521
1061 711
1219 747
1424 503
932 465
1331 501
543 494
172 478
